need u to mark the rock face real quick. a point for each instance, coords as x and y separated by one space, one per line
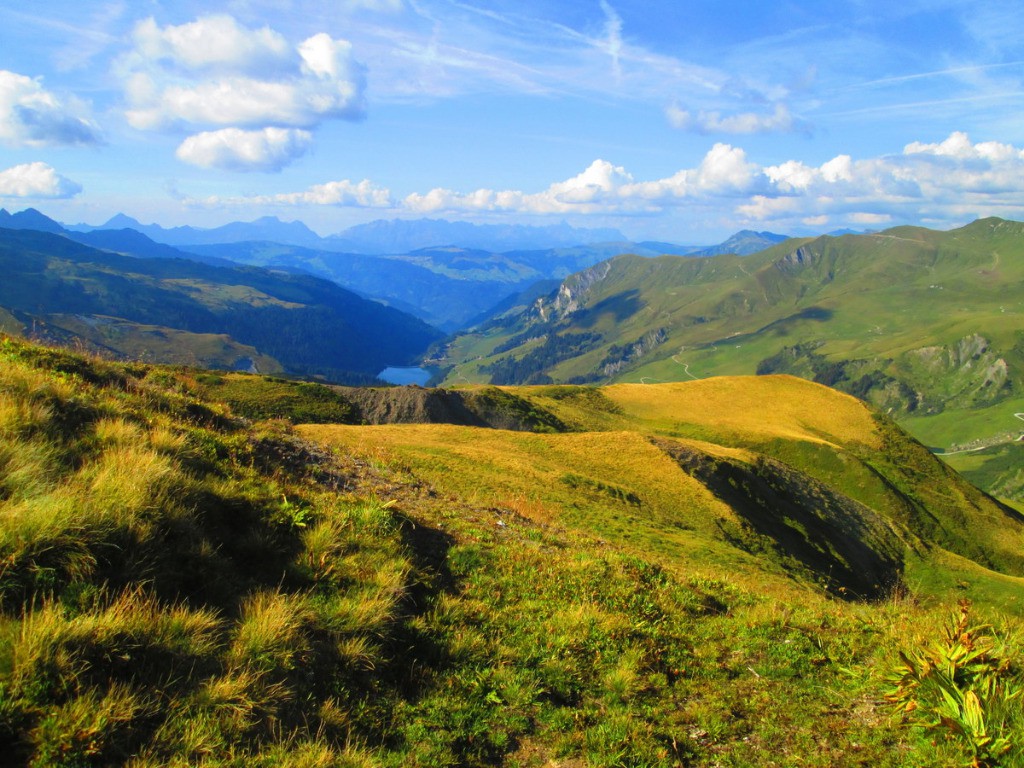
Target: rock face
801 257
967 373
572 293
487 407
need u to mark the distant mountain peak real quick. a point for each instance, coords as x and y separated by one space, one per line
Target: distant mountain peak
30 218
121 221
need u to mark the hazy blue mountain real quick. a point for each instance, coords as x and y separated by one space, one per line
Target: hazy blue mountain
266 228
29 218
449 287
743 243
128 242
661 248
440 299
402 236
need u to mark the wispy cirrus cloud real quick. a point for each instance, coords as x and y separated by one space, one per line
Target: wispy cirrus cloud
36 180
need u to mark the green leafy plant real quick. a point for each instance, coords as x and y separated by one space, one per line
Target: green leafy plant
963 685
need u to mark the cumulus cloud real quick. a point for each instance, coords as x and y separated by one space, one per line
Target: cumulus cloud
232 149
36 180
595 189
31 116
953 181
959 146
607 188
724 171
778 121
214 72
215 41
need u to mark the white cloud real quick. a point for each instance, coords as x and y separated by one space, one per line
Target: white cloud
232 149
778 121
724 171
596 188
215 41
606 188
36 180
613 45
31 116
959 146
954 181
363 194
599 181
214 72
344 193
871 219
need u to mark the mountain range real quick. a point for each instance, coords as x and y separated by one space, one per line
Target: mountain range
448 274
377 237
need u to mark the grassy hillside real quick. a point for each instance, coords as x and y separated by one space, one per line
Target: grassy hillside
928 326
179 586
705 467
176 310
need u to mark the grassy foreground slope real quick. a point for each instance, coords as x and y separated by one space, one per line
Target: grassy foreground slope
179 586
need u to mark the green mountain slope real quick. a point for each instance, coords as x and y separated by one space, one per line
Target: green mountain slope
176 310
182 587
923 324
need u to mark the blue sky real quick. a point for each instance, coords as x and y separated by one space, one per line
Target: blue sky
681 120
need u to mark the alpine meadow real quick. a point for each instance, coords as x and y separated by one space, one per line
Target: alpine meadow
473 384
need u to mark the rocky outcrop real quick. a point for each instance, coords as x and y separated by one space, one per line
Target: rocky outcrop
801 257
485 407
572 293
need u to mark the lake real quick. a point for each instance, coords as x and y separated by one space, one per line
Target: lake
405 375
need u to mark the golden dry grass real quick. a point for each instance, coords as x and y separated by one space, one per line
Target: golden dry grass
616 486
749 408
